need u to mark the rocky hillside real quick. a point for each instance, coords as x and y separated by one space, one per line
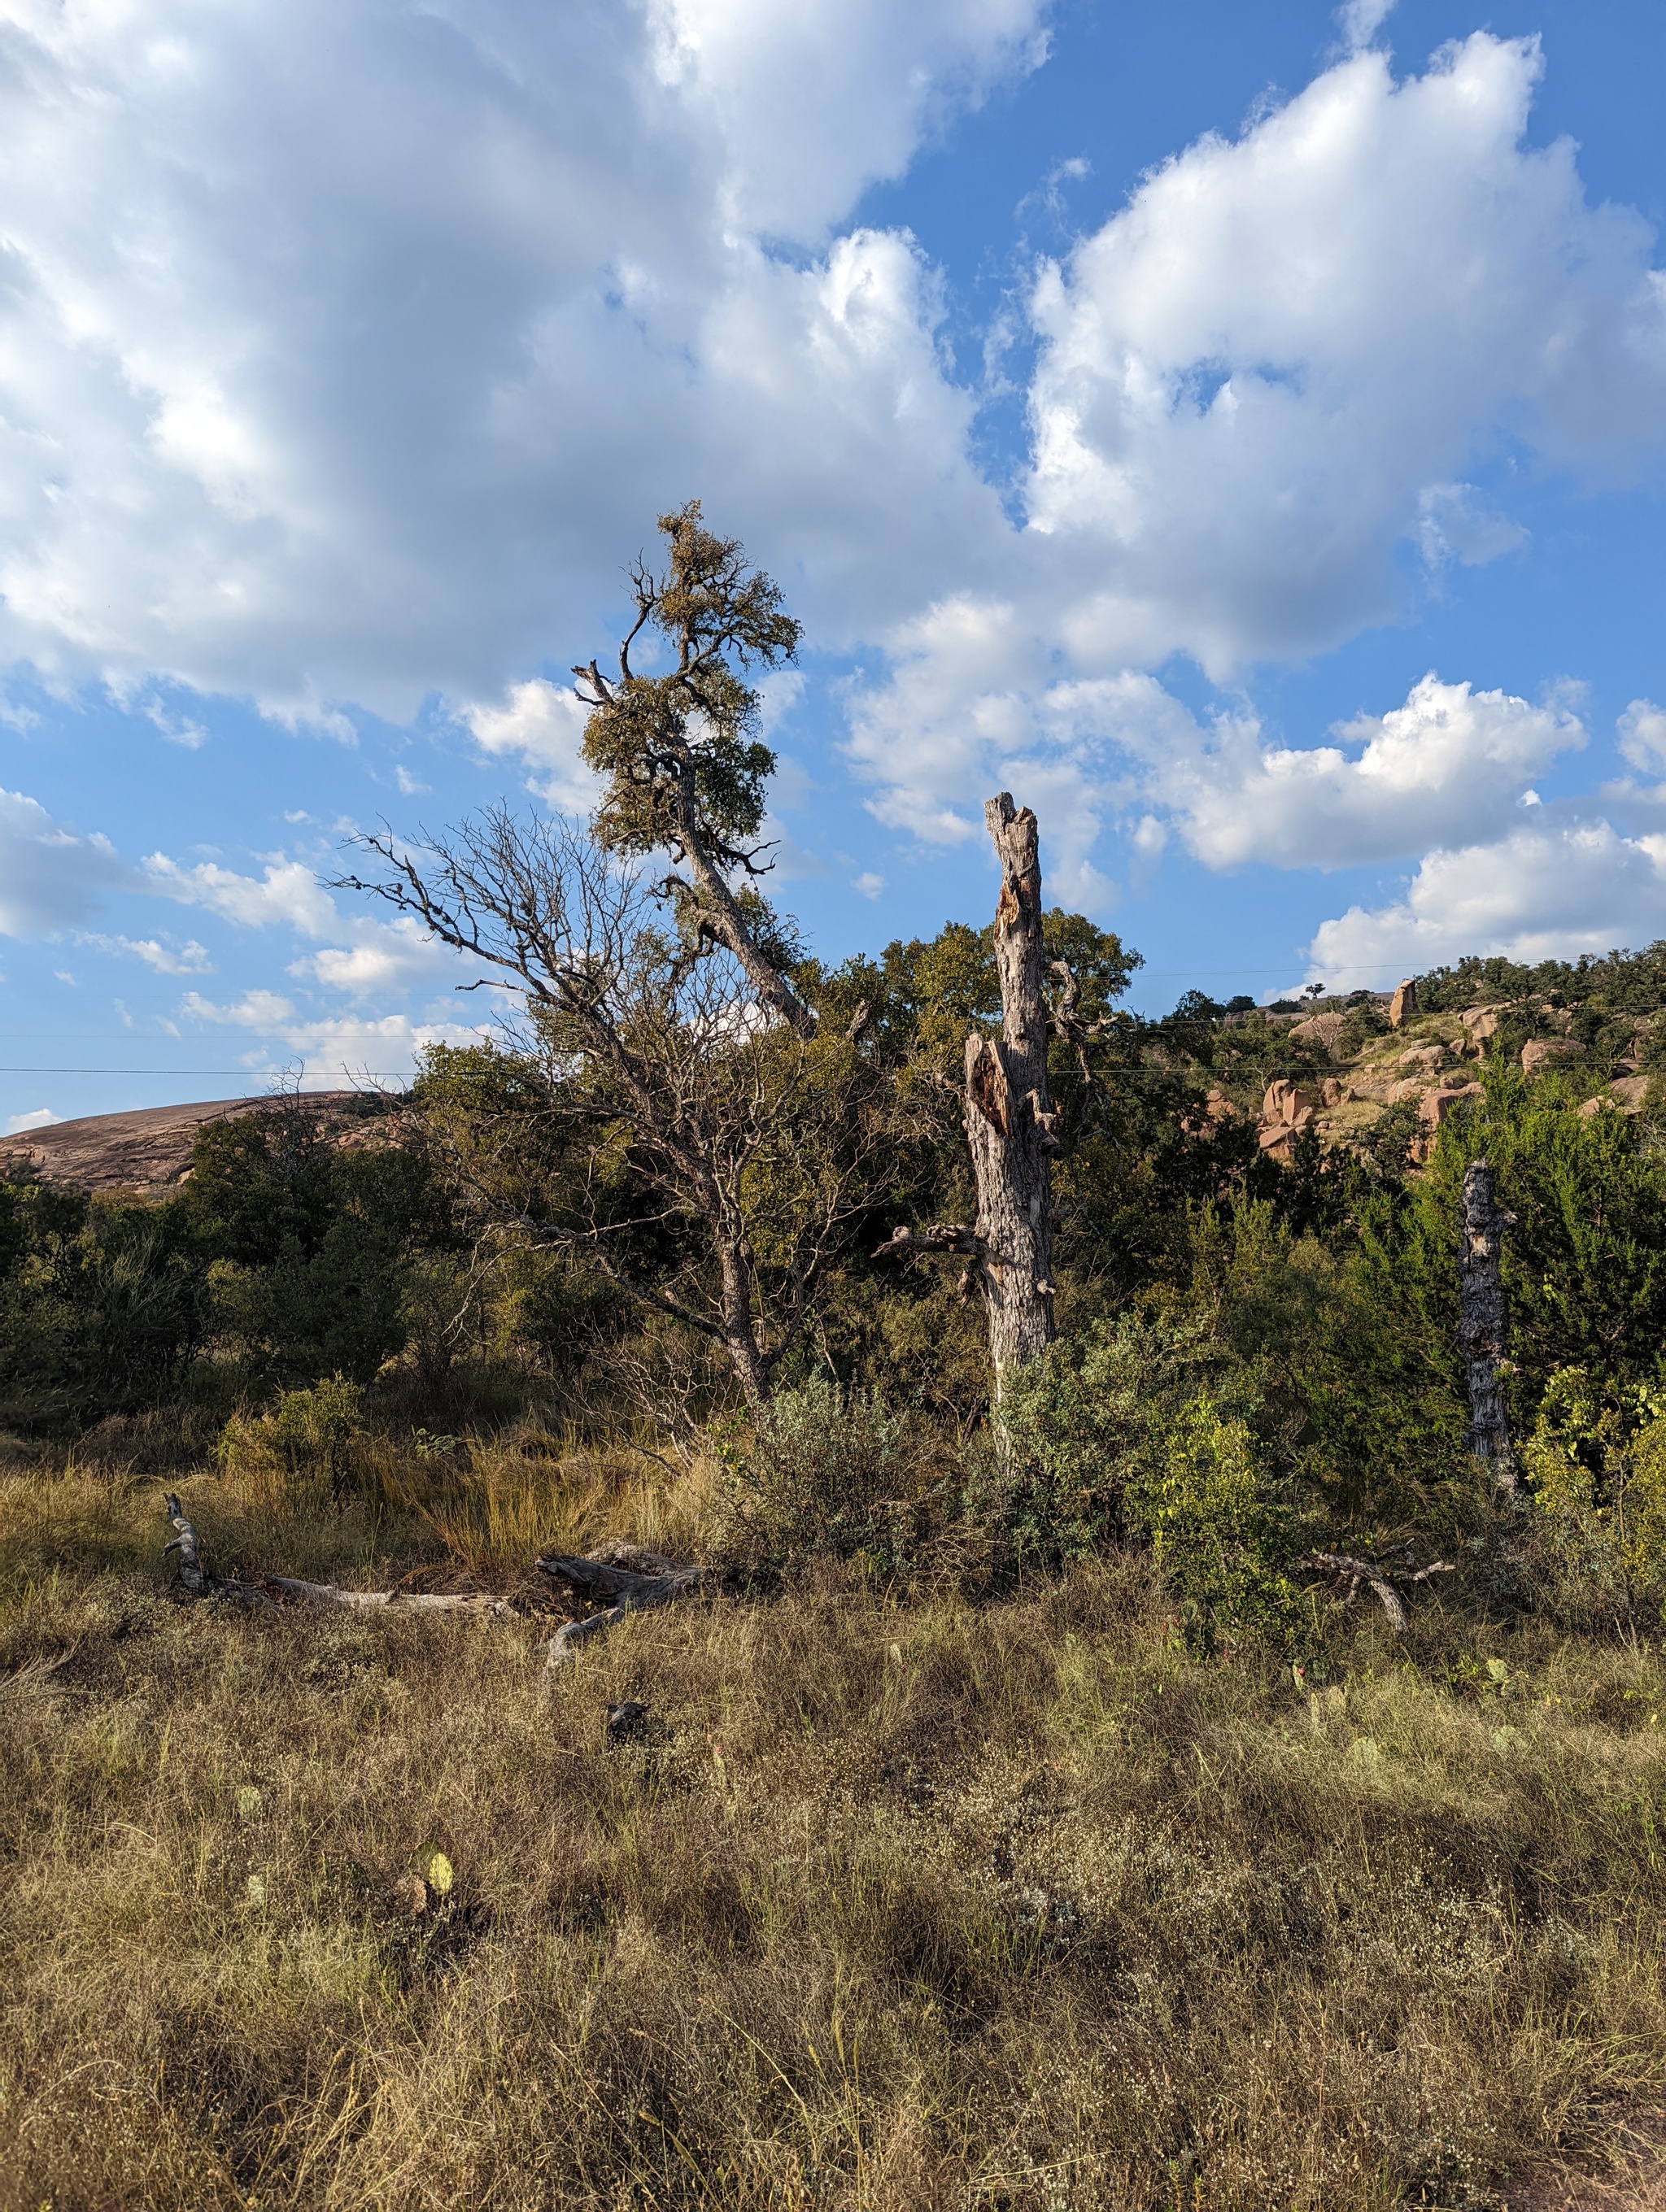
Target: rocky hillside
1343 1067
148 1152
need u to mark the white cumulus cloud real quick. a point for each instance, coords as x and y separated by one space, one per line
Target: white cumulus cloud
332 399
1254 373
42 1118
541 724
1446 766
1536 895
1643 736
288 893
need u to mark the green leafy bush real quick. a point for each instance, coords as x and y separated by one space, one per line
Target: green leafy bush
1082 1423
1598 1467
311 1440
338 1310
99 1314
1219 1536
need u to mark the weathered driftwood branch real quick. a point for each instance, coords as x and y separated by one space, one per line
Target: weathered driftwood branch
1380 1577
1483 1322
201 1582
628 1580
196 1578
388 1601
623 1578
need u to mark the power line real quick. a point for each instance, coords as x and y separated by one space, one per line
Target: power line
381 1074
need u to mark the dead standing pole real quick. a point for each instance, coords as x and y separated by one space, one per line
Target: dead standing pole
1483 1321
1009 1121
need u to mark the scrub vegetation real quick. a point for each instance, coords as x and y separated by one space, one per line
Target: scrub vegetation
1033 1807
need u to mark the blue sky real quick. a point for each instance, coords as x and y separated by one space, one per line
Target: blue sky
1238 431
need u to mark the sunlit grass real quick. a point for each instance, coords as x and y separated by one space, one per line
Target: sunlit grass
894 1906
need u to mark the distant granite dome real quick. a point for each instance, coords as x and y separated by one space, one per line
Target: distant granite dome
148 1150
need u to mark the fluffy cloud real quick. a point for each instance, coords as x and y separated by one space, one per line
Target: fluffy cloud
43 1117
1260 377
1359 21
326 401
808 103
383 958
167 958
320 399
330 1048
1643 736
541 724
1539 894
1450 765
1446 766
288 894
1257 377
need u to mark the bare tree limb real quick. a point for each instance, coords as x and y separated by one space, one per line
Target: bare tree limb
1380 1577
938 1238
646 1582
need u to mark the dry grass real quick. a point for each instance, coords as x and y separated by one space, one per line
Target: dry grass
1014 1906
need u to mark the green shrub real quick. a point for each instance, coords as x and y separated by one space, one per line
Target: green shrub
312 1439
1082 1423
826 1473
1212 1527
99 1316
1596 1544
337 1310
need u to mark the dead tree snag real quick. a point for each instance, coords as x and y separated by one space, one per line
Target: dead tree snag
1010 1121
1483 1322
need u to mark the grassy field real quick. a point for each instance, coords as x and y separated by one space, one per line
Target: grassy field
891 1905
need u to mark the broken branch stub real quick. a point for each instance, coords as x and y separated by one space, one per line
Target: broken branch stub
193 1576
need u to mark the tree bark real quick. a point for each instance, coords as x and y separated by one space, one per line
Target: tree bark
1483 1323
738 1331
1009 1113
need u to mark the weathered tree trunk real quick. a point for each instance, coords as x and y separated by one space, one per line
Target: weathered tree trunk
1482 1322
738 1337
1009 1114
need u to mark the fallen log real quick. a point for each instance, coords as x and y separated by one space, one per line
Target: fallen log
202 1583
394 1600
622 1579
628 1580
